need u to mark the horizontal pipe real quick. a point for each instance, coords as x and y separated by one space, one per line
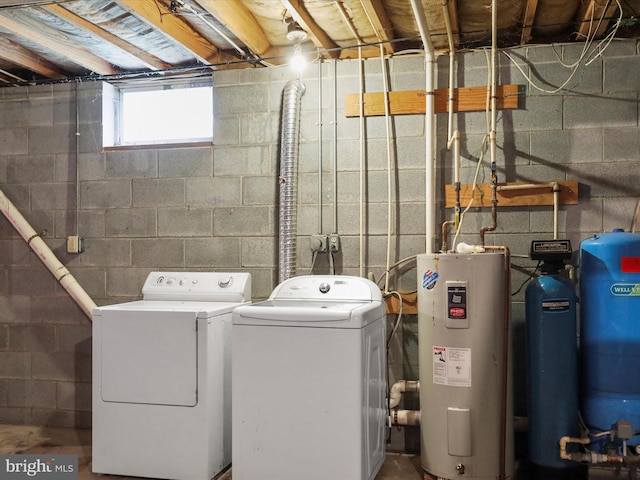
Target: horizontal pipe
404 418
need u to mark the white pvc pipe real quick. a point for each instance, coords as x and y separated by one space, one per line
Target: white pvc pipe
398 388
430 177
494 81
44 253
404 417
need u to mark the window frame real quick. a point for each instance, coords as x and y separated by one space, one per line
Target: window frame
113 115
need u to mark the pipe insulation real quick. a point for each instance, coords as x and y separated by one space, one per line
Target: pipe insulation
289 143
44 253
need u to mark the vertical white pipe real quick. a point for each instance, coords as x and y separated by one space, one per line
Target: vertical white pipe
335 147
494 80
44 253
320 226
430 177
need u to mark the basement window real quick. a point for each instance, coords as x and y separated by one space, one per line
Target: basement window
158 114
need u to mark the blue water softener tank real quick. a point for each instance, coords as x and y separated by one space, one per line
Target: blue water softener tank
552 363
610 330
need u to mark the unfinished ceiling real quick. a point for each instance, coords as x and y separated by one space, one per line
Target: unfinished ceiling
60 40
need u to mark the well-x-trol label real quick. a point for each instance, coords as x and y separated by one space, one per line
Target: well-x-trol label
625 289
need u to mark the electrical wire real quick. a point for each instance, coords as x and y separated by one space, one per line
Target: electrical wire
535 270
474 187
585 54
398 319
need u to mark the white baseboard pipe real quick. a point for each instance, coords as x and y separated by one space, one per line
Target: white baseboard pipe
44 253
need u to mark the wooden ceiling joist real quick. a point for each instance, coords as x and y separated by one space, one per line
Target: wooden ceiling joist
595 17
159 16
74 53
29 60
316 34
380 22
240 21
149 60
528 17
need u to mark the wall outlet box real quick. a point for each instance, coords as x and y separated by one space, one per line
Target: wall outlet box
74 244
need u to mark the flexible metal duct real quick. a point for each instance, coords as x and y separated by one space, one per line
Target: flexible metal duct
288 221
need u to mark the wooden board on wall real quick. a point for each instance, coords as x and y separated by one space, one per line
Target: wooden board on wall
529 196
409 303
407 102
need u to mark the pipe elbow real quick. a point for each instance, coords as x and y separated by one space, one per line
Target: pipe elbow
398 388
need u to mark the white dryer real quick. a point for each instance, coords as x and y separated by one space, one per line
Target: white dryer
309 382
161 377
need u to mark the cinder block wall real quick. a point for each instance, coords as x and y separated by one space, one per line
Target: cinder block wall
216 208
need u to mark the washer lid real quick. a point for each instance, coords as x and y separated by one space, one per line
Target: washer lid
309 313
327 288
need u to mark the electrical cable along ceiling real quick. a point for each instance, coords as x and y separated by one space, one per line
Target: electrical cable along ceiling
61 40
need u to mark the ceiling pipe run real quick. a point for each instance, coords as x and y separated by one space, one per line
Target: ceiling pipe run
44 253
289 143
430 150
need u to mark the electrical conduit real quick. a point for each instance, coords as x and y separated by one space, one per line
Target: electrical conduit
44 253
288 180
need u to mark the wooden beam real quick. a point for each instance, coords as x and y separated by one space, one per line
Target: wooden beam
527 20
149 60
317 35
589 16
58 44
380 23
519 196
409 303
237 18
158 15
413 101
19 55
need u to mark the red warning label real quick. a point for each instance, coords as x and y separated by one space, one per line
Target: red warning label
630 265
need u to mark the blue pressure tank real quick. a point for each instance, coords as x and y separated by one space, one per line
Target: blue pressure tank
610 330
552 372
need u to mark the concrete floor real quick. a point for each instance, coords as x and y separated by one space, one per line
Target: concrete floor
32 440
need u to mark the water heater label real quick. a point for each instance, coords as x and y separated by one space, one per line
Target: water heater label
625 289
630 264
457 302
452 366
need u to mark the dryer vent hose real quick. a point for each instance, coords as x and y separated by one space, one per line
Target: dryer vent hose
288 221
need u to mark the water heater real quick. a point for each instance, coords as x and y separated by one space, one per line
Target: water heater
610 337
466 407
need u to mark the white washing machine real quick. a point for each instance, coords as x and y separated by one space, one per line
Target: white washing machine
161 377
308 382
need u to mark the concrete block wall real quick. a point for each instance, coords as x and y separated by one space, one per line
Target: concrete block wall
202 208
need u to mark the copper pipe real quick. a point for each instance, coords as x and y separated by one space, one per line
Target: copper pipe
505 357
494 205
445 229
